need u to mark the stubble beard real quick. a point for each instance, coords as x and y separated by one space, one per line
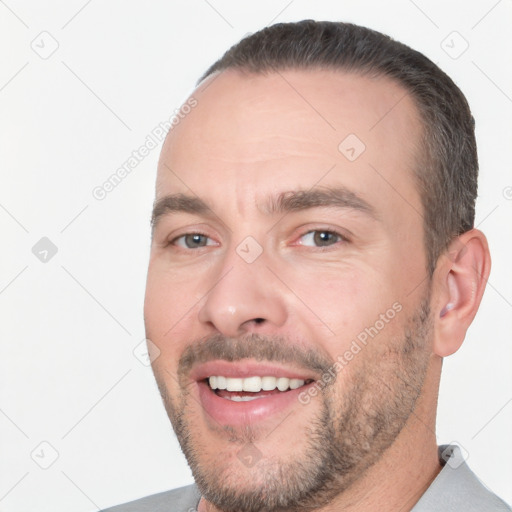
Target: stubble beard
350 432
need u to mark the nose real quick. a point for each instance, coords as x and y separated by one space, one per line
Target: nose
244 298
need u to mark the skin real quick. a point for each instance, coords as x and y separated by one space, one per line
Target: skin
250 138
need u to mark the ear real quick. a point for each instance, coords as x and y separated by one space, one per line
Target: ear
460 277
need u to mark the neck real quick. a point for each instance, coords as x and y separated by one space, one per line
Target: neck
399 479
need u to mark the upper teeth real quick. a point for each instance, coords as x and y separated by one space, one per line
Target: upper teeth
254 384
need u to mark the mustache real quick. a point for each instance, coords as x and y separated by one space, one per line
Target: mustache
276 349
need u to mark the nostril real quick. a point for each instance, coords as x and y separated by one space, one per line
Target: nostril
259 320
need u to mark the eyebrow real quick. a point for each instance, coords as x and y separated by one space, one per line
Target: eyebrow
338 197
283 203
178 203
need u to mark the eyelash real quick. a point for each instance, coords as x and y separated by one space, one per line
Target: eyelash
192 233
341 238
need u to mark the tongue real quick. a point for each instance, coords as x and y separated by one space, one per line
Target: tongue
228 394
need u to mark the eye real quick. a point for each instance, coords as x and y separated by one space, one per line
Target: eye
320 238
192 241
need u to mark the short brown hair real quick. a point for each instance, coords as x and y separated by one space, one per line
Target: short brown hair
447 169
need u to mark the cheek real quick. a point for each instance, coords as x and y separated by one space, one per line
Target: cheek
350 303
168 308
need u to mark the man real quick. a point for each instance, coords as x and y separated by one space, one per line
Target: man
313 260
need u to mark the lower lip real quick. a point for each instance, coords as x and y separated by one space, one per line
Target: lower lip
228 412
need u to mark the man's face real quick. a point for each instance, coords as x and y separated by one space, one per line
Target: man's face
291 249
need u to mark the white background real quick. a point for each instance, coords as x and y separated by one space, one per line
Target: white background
69 326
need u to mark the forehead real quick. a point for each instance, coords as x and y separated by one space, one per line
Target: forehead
253 134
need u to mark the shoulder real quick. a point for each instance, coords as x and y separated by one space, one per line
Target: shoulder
184 499
457 488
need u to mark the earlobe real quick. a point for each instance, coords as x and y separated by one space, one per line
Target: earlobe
460 277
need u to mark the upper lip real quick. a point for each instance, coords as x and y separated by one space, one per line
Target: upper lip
248 368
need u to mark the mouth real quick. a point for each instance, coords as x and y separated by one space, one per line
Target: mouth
247 392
